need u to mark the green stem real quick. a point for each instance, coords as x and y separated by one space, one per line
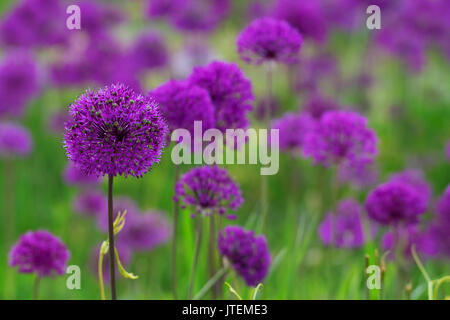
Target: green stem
37 281
211 283
100 274
174 238
212 251
111 238
196 255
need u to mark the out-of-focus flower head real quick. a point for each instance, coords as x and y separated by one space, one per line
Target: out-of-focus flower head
15 140
441 224
294 127
19 82
361 174
181 103
264 105
344 229
316 70
97 17
34 23
39 252
209 190
160 8
91 203
145 231
267 40
115 131
148 52
416 179
316 105
306 16
230 91
340 137
248 254
395 203
74 176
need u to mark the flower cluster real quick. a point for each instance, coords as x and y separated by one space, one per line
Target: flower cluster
91 203
39 252
209 190
248 254
114 131
269 39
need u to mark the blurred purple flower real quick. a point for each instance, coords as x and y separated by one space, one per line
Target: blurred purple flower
248 254
15 140
316 105
74 176
19 82
209 189
148 52
192 55
416 179
114 131
145 231
293 129
394 203
344 229
96 17
306 16
258 9
91 203
339 137
230 92
443 207
160 8
314 70
264 105
39 252
269 39
361 174
57 121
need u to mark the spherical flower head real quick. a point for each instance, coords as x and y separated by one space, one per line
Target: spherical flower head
394 203
316 106
416 180
293 129
443 207
144 232
248 254
91 203
19 83
343 229
181 103
114 131
15 140
269 39
306 16
209 189
120 204
74 176
149 52
341 136
39 252
230 91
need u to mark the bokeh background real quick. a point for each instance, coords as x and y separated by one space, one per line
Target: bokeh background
398 77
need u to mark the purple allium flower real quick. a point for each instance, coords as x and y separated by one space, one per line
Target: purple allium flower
39 252
114 131
19 82
230 92
160 8
314 70
258 9
74 176
361 174
120 204
15 140
181 103
306 16
339 137
415 179
91 203
248 254
199 15
410 235
316 105
209 189
294 127
34 23
395 202
97 17
148 52
344 229
145 231
269 39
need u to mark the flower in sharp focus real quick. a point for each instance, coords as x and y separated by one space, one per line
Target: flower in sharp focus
248 254
339 137
182 103
39 252
269 39
230 91
143 232
15 140
74 176
19 82
394 203
114 131
91 203
345 226
209 189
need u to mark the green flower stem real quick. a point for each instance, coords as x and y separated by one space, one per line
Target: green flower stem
111 238
198 242
212 282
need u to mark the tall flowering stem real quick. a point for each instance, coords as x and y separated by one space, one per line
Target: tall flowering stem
111 238
198 242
